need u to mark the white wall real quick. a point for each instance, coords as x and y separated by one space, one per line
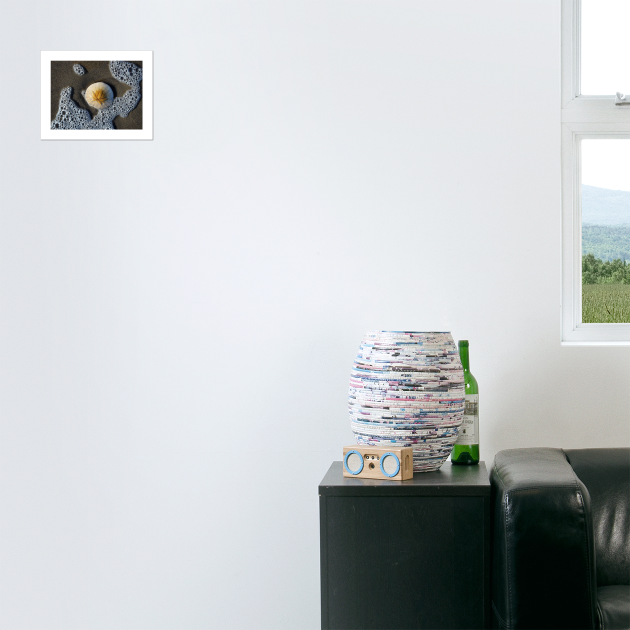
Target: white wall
179 317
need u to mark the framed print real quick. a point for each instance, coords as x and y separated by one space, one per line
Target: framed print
97 95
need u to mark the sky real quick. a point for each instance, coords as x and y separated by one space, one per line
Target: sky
605 50
606 163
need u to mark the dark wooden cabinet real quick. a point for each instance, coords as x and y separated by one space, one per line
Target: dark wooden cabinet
406 554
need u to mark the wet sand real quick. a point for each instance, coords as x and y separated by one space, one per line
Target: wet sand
62 75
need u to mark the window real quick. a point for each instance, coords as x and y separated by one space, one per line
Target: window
595 170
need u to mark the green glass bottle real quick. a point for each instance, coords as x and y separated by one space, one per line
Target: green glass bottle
466 449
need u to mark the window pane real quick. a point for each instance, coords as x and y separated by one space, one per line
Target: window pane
605 49
605 231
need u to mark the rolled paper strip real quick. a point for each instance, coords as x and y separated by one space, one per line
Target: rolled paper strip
407 389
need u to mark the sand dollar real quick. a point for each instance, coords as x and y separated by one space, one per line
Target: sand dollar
99 95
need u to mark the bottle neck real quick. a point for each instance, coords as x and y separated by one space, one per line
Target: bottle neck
463 354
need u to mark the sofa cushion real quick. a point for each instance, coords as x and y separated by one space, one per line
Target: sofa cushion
606 475
613 607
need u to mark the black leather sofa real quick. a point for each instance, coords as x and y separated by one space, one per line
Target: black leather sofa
561 540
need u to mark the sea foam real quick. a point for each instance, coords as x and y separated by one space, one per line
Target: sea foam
71 116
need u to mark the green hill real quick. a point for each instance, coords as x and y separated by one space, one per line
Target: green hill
607 242
605 236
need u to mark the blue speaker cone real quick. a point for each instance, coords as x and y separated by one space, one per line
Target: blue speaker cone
353 462
390 464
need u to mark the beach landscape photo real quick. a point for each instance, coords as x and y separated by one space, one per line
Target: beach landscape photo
96 95
96 98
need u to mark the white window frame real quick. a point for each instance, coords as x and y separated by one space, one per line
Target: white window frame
582 117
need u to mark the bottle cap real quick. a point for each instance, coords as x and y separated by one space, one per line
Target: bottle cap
463 342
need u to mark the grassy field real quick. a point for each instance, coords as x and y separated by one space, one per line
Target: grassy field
605 303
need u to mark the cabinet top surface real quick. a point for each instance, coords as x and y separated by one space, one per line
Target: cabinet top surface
449 480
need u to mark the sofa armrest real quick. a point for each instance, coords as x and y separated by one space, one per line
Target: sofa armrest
543 566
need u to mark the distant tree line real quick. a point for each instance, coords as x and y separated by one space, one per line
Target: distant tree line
597 271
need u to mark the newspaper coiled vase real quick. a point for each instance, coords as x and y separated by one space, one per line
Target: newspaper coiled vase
407 389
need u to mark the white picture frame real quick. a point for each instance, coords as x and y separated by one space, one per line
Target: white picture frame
146 56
